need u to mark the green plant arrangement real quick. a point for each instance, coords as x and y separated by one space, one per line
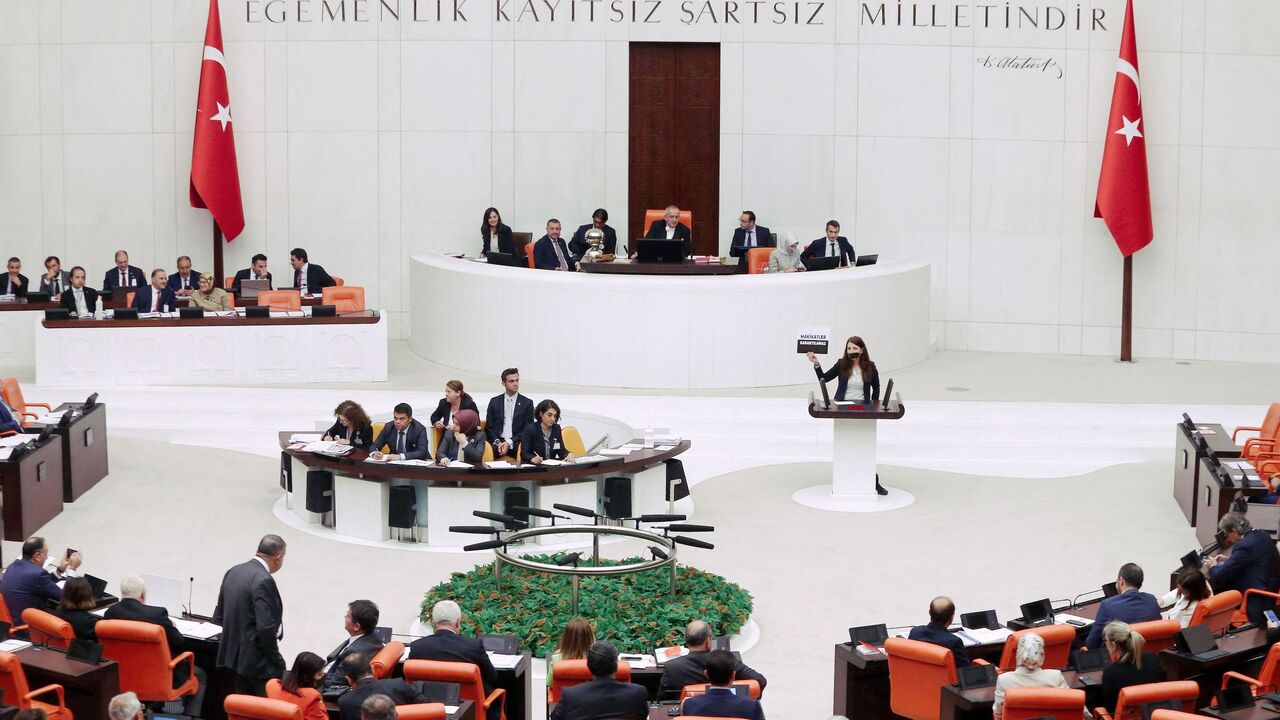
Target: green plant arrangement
634 612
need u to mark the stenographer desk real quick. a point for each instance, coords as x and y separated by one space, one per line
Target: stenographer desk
84 448
31 488
1188 479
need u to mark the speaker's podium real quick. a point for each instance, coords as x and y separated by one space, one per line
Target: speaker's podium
853 456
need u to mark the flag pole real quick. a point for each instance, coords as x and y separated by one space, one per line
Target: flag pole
217 255
1126 312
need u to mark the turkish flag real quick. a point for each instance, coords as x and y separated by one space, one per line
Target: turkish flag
1124 195
215 180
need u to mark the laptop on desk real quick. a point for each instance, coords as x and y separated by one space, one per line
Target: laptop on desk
501 258
249 289
659 250
866 260
823 262
1198 642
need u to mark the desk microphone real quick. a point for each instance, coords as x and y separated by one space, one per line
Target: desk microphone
1075 601
191 585
591 450
658 553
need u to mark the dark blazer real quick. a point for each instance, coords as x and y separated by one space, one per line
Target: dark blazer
723 702
818 248
1254 562
246 274
578 244
738 249
506 244
691 670
473 453
193 281
400 692
130 609
1118 676
495 416
416 444
20 290
7 420
367 645
938 635
111 280
532 443
544 256
361 438
317 279
870 386
658 230
1131 606
601 699
441 413
142 299
47 287
27 585
251 615
450 647
82 622
68 299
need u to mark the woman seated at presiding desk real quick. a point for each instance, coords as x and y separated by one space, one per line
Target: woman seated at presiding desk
77 601
492 229
1129 664
787 257
209 296
454 400
1029 671
541 440
351 426
465 443
299 686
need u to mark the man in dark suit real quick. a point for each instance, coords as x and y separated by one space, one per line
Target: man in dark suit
508 415
749 236
604 697
1129 604
832 245
448 644
720 699
671 228
55 280
157 297
251 614
599 219
123 274
359 675
15 283
551 253
691 669
27 584
404 436
941 612
185 281
1254 563
81 301
258 271
362 618
133 606
307 278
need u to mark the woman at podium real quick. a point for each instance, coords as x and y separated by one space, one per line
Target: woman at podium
858 381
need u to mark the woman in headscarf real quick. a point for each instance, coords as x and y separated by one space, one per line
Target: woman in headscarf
786 258
210 296
1029 672
463 444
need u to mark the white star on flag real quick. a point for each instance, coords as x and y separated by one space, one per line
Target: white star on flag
1129 131
223 116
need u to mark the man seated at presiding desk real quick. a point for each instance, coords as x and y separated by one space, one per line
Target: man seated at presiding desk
670 228
551 253
508 415
79 300
749 236
27 584
185 281
123 274
447 644
257 271
1129 604
15 283
157 297
833 245
1254 563
133 606
309 279
599 220
55 280
359 674
603 698
691 669
720 700
406 437
360 621
941 612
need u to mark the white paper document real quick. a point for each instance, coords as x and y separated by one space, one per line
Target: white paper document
504 661
306 437
203 631
984 636
326 448
553 463
616 452
499 465
12 646
420 463
592 458
1060 618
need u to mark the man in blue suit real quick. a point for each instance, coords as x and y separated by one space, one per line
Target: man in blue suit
551 252
406 437
1129 604
156 297
123 274
1254 563
720 699
941 612
832 245
26 582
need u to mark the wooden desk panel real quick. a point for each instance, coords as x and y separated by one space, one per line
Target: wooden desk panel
32 490
688 267
84 449
89 687
862 681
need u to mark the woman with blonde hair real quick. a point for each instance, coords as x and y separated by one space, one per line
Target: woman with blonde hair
1029 671
574 642
1130 663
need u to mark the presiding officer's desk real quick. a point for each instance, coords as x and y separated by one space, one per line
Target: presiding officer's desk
216 349
671 331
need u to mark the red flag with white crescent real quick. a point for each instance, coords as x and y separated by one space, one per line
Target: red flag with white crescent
215 180
1124 194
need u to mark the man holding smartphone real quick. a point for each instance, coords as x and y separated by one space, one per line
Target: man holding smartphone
66 568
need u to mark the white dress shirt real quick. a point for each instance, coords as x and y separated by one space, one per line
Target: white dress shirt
81 308
508 415
671 232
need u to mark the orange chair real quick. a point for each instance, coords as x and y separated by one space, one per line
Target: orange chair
465 674
1216 611
758 260
1175 715
567 673
386 659
1268 433
686 217
1158 634
528 253
917 672
248 707
146 667
1241 617
344 299
7 618
13 683
12 392
1057 646
1132 698
1268 677
228 282
48 629
128 299
280 299
1058 703
753 689
421 711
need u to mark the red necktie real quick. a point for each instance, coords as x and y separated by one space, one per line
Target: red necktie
297 278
